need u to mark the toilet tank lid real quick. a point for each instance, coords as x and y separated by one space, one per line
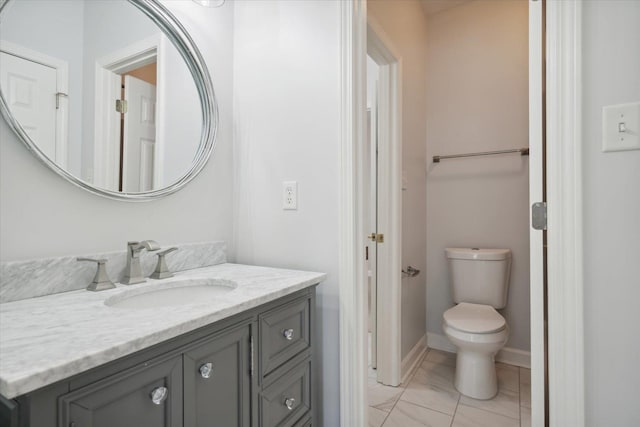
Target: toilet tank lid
477 253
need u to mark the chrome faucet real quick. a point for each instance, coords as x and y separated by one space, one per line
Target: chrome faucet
133 273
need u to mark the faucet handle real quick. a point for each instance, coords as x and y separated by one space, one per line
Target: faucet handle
166 251
101 280
162 270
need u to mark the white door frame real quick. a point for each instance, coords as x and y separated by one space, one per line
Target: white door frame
536 194
389 177
62 85
107 122
564 197
351 274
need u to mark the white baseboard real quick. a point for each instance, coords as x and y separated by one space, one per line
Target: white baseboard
511 356
413 358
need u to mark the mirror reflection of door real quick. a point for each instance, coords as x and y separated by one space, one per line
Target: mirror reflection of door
138 129
31 83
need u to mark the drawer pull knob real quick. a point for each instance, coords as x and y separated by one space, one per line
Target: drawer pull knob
159 395
206 369
289 402
288 334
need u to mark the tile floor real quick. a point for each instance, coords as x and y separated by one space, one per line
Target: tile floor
429 398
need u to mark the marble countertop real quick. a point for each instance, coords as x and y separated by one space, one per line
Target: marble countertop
47 339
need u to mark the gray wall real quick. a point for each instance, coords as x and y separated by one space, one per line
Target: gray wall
477 91
611 75
404 23
43 215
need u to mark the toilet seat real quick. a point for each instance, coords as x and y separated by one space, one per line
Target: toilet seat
474 319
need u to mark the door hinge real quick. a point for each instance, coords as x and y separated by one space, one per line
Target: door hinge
251 355
539 216
122 106
378 238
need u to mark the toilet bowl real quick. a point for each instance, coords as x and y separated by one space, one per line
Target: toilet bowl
478 332
479 285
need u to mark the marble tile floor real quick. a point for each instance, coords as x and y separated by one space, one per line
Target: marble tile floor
429 399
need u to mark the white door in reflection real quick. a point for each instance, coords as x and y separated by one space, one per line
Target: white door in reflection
138 135
30 90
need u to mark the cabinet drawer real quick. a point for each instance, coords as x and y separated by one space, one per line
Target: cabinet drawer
288 398
149 394
284 332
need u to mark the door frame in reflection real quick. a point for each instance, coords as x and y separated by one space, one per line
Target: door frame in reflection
61 68
107 150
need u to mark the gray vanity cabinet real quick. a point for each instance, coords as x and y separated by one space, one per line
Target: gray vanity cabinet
253 369
217 380
143 396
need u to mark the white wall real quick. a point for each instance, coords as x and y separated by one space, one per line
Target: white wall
64 20
477 100
287 127
43 215
405 25
611 75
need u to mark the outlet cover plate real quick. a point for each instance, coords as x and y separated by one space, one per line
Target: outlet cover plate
290 195
621 127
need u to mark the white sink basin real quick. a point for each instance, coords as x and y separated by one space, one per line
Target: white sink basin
169 294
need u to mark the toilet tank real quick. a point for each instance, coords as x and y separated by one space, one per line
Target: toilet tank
479 276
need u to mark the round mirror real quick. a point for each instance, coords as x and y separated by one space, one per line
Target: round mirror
112 95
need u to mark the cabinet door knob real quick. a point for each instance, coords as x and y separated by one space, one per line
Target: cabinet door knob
288 334
159 395
206 369
289 402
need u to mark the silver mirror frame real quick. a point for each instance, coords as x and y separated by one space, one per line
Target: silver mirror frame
181 39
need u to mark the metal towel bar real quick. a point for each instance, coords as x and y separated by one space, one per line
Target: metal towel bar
522 151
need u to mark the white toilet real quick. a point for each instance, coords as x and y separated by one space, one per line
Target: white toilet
479 283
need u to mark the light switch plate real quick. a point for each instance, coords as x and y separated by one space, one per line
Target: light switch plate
621 127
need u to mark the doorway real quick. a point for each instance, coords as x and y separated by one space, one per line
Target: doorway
356 17
138 128
127 102
382 166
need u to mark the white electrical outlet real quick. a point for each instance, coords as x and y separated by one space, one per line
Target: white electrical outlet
290 195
